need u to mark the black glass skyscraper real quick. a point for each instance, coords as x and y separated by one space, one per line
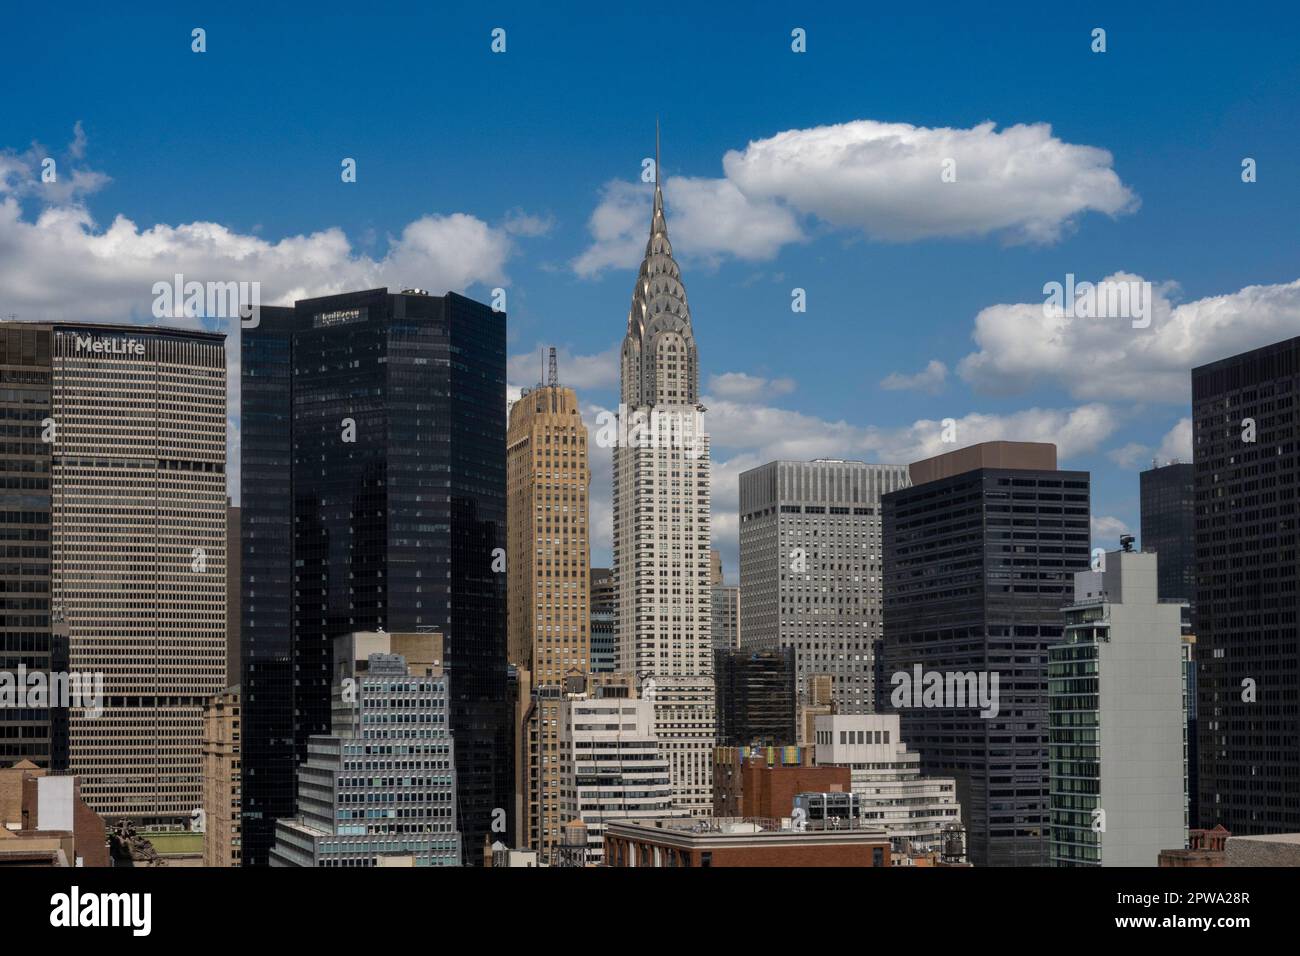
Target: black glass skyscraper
394 411
1169 528
1247 583
979 558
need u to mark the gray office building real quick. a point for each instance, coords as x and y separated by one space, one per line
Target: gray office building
810 569
1116 728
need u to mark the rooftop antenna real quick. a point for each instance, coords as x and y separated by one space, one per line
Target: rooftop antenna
656 152
554 377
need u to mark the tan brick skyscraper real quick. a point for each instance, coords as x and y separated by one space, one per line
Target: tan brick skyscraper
549 619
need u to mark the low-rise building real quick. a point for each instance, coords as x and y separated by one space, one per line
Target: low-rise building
916 811
717 842
763 781
611 766
44 821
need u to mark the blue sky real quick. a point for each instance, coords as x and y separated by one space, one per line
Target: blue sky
478 170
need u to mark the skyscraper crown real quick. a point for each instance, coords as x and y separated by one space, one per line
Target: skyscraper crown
659 363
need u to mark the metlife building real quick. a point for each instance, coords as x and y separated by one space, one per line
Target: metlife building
113 515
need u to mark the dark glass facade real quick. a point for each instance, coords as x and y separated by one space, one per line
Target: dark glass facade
1169 528
977 567
269 726
397 502
30 637
1247 581
756 697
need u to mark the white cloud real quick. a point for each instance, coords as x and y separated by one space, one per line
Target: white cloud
930 379
63 266
23 175
1130 456
1177 443
781 433
1106 530
527 225
1022 345
885 179
710 219
740 385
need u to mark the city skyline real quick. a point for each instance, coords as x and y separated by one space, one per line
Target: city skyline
671 438
895 288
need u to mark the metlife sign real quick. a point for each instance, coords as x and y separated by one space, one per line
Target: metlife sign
100 346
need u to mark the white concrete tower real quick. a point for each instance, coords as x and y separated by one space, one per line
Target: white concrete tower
661 521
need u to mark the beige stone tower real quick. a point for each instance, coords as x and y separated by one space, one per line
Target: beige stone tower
549 619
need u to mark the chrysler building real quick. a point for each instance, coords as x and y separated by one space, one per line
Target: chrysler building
661 521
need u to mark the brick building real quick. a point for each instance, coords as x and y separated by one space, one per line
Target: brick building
752 782
738 843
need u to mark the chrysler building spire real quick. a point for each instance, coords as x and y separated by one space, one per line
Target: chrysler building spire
659 364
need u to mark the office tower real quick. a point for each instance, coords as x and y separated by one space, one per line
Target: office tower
1116 719
1248 676
547 556
380 788
133 546
222 806
725 604
389 412
979 554
756 698
810 569
29 637
604 619
661 520
915 810
612 767
1169 527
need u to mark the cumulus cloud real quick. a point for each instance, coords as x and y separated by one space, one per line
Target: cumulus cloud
1021 345
527 225
930 379
710 220
24 175
886 179
740 385
782 433
63 266
1106 530
1177 443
